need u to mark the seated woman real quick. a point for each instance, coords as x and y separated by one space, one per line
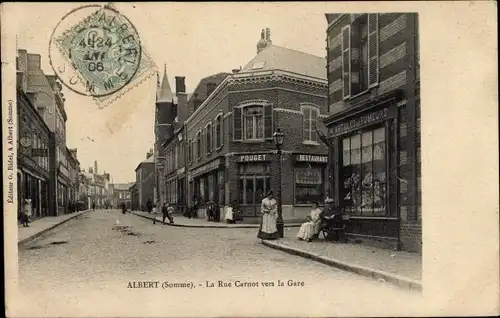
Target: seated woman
310 228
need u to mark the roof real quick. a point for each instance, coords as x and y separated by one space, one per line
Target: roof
87 175
201 92
151 159
164 93
275 57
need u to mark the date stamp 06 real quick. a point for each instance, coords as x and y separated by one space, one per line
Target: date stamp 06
95 50
214 284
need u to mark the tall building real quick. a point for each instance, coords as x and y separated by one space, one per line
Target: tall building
231 156
45 93
374 125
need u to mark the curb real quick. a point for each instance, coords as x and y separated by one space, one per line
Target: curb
394 279
29 238
208 226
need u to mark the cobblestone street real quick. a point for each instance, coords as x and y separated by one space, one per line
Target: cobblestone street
84 267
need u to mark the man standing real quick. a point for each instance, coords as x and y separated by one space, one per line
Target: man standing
149 205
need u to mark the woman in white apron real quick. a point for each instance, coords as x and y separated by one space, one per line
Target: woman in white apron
269 210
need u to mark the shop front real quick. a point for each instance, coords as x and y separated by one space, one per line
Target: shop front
310 175
365 182
208 184
63 183
254 181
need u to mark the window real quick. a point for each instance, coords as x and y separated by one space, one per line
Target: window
209 139
253 120
198 144
218 131
189 151
364 173
309 186
360 55
310 117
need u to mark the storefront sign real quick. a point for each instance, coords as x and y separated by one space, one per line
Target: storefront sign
207 167
308 176
252 158
311 158
39 152
360 121
25 142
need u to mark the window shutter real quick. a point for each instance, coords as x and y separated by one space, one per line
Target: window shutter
355 59
372 49
268 121
237 123
346 61
306 115
221 130
314 124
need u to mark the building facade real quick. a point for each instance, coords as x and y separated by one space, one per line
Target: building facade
134 197
231 156
374 125
74 173
33 160
145 181
121 194
84 189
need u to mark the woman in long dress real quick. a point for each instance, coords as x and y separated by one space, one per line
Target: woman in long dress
310 228
269 210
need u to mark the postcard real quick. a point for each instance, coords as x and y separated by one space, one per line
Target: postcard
265 159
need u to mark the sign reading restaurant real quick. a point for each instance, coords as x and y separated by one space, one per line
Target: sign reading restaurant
311 158
360 121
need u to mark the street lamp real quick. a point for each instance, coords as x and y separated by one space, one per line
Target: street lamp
278 138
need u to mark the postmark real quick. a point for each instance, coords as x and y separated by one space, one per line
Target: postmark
95 51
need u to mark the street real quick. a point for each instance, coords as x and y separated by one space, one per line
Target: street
84 267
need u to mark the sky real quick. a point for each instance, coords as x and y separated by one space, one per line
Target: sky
194 40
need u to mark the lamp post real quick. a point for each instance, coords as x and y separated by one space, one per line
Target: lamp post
278 138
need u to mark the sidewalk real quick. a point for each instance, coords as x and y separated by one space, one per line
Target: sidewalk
397 267
183 221
40 226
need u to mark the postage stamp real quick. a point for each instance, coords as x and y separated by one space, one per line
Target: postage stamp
96 51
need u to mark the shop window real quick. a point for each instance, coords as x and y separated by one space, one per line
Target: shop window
309 186
253 121
255 182
310 116
364 179
218 131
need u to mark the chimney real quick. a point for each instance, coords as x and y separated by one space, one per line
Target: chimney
91 170
182 107
180 85
268 36
95 167
22 66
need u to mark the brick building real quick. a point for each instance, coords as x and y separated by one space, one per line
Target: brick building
173 171
33 161
121 194
231 155
145 182
374 125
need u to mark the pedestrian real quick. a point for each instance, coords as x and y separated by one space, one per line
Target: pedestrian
26 214
149 205
153 210
269 210
93 206
168 211
194 212
229 215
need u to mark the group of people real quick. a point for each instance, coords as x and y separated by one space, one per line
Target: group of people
167 211
308 230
